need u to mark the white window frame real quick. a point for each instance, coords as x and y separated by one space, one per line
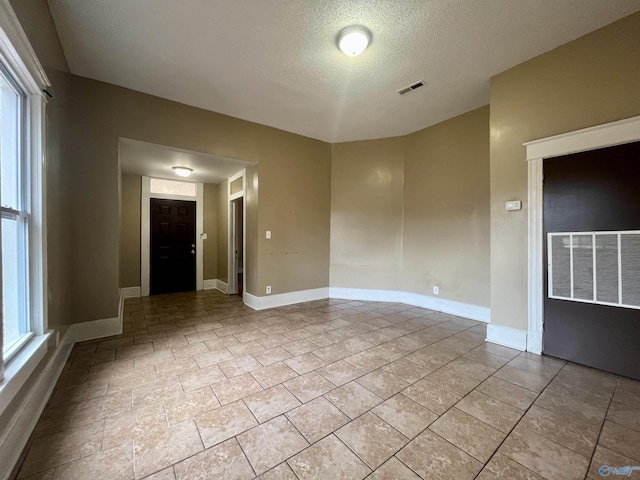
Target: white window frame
19 59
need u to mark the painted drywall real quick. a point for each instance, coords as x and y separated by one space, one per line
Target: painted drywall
210 245
59 250
295 203
410 213
590 81
102 113
130 197
35 18
446 210
366 213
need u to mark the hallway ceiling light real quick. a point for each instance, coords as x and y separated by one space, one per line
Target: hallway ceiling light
183 171
353 40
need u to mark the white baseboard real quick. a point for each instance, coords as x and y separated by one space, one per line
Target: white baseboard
466 310
222 286
105 327
14 437
475 312
281 299
130 292
215 284
507 336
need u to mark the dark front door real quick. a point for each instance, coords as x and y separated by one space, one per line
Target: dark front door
595 191
173 246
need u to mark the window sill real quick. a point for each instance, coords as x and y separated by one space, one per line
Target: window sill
20 368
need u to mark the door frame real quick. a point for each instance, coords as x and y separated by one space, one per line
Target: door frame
232 271
592 138
145 232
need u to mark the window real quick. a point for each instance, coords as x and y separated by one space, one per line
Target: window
171 187
15 217
22 227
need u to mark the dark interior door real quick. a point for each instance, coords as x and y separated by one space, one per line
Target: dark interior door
173 246
590 192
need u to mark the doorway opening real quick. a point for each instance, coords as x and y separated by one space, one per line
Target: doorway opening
237 272
238 244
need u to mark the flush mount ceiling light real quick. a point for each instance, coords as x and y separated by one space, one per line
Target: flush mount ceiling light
183 171
353 40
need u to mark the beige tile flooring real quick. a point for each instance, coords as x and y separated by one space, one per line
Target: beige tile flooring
201 387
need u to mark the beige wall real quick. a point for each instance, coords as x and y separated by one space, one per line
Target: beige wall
409 213
102 113
366 214
130 198
446 209
210 245
295 203
590 81
35 18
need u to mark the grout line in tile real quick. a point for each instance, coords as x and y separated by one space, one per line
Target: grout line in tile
358 310
603 422
518 423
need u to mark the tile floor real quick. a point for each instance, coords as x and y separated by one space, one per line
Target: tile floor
201 387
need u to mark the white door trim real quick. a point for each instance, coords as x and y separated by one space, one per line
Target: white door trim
145 233
600 136
232 272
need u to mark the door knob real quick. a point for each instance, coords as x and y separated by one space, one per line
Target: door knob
193 251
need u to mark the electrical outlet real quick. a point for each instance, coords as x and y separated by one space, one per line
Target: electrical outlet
436 291
268 289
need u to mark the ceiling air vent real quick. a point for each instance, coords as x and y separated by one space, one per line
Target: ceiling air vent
408 88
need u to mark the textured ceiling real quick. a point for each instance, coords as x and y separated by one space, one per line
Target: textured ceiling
276 62
151 160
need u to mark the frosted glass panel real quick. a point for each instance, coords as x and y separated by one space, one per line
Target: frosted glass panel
630 261
607 268
171 187
561 255
583 267
236 186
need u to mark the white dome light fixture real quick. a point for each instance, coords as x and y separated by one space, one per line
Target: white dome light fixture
353 40
183 171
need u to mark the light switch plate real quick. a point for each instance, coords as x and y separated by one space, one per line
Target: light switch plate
268 235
